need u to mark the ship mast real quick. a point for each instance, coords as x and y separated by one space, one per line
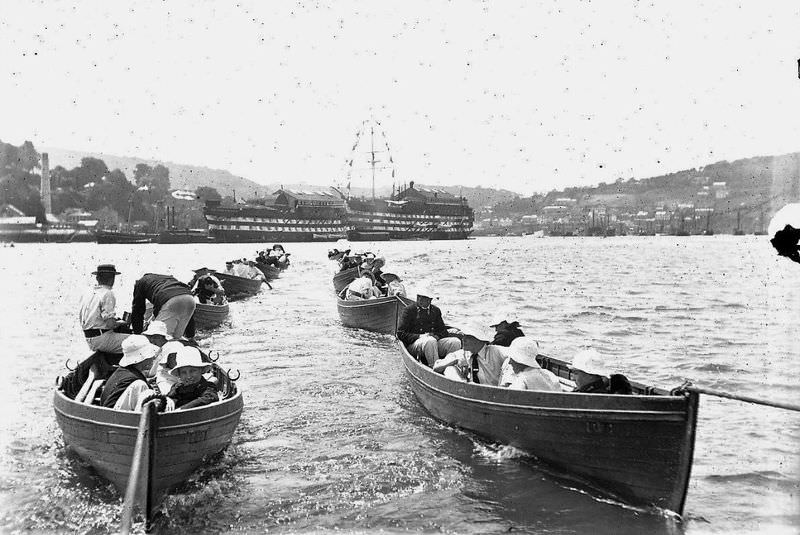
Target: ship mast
373 161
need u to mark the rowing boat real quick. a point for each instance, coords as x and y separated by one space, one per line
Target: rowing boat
209 315
343 278
270 272
238 286
378 315
637 448
106 438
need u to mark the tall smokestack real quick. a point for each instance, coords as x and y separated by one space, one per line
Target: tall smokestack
45 187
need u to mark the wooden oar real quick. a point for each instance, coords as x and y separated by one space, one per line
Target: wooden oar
143 458
748 399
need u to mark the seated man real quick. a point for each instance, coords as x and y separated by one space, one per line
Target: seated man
521 371
592 376
423 331
127 387
505 332
478 362
362 288
192 389
207 288
394 285
229 269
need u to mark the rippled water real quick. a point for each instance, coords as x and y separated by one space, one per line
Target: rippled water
332 437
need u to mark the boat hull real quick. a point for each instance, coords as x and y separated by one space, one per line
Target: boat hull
378 315
106 237
270 272
106 438
343 278
637 448
238 286
208 316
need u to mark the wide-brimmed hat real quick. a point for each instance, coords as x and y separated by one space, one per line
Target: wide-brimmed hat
137 348
202 270
590 361
425 289
524 350
389 277
106 269
156 327
188 357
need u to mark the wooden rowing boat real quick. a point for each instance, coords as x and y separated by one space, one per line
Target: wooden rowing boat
208 315
343 278
637 448
238 286
378 315
270 272
106 438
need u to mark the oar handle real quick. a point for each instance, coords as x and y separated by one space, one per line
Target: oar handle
738 397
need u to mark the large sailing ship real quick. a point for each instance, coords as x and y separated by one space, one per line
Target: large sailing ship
408 213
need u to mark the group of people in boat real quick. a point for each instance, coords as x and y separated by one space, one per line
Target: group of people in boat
243 268
371 281
276 256
509 360
131 364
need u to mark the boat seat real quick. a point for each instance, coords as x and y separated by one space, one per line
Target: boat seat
94 392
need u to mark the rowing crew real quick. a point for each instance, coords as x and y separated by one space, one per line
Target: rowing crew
465 357
373 283
276 257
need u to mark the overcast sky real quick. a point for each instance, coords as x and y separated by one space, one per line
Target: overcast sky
524 95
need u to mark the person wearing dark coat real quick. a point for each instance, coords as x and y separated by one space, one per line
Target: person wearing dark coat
505 332
172 300
193 390
423 331
128 384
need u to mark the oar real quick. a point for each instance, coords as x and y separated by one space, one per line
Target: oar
748 399
143 458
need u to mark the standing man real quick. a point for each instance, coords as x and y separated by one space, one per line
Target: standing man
423 331
172 300
98 312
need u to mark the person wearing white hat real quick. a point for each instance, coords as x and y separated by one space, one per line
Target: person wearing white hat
192 390
521 371
97 312
592 376
423 331
394 285
127 386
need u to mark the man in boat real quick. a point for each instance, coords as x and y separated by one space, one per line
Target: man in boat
478 362
592 376
192 389
423 331
505 331
127 387
362 288
229 269
97 313
173 303
521 371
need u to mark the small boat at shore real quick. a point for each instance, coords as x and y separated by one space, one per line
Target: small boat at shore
637 448
238 286
379 315
343 278
181 440
207 316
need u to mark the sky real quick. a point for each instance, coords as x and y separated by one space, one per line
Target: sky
528 96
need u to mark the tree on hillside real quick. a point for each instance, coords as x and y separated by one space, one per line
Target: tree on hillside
90 170
155 179
206 193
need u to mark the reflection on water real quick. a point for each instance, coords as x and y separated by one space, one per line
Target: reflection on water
332 437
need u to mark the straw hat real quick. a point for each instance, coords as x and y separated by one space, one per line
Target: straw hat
524 350
103 269
157 327
135 349
788 215
188 357
590 361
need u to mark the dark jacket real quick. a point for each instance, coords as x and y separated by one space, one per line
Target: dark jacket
196 395
504 336
615 384
158 289
415 321
121 379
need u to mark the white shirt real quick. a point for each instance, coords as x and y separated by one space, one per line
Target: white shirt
361 288
490 363
98 308
530 378
396 288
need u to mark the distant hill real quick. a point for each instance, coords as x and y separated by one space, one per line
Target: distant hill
183 176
